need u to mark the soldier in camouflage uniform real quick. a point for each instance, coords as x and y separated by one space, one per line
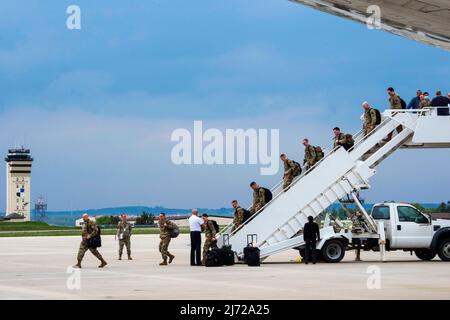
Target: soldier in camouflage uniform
310 154
210 236
370 118
394 100
238 215
341 139
165 227
259 198
89 230
395 103
124 229
291 170
425 101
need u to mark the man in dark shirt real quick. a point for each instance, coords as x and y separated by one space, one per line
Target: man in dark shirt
311 234
441 101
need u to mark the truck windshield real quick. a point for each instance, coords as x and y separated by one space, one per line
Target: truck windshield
381 213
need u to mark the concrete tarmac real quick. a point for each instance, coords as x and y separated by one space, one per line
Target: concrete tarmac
39 268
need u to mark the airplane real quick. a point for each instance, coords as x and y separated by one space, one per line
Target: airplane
426 21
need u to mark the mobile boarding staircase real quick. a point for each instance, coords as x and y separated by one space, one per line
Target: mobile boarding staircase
278 225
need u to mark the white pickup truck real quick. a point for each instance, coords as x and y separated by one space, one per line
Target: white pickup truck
405 228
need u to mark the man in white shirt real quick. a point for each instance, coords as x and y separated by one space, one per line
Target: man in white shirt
195 226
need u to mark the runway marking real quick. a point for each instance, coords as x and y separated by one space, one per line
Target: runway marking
110 251
296 292
177 279
38 293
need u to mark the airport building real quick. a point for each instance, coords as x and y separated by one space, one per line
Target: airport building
18 178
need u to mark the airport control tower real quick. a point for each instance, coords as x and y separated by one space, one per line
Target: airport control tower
18 176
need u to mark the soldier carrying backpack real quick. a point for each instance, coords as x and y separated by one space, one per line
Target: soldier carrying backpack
240 215
166 234
372 118
349 141
319 153
341 139
210 228
291 170
310 154
261 196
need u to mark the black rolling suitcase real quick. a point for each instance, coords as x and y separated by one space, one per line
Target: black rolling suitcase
251 253
225 252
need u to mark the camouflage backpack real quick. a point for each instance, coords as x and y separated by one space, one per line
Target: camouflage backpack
298 169
175 231
319 153
349 139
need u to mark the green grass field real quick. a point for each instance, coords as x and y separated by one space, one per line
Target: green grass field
53 233
42 229
31 226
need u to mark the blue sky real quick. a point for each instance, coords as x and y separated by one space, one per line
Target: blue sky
97 105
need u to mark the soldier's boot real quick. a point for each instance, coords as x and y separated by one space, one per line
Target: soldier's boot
164 263
78 265
171 257
120 257
103 264
129 257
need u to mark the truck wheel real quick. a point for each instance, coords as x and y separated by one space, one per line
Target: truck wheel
444 250
333 251
424 254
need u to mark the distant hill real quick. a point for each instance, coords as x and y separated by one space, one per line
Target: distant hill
67 218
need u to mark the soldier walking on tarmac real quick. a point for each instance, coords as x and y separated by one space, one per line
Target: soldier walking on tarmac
124 229
165 227
89 230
